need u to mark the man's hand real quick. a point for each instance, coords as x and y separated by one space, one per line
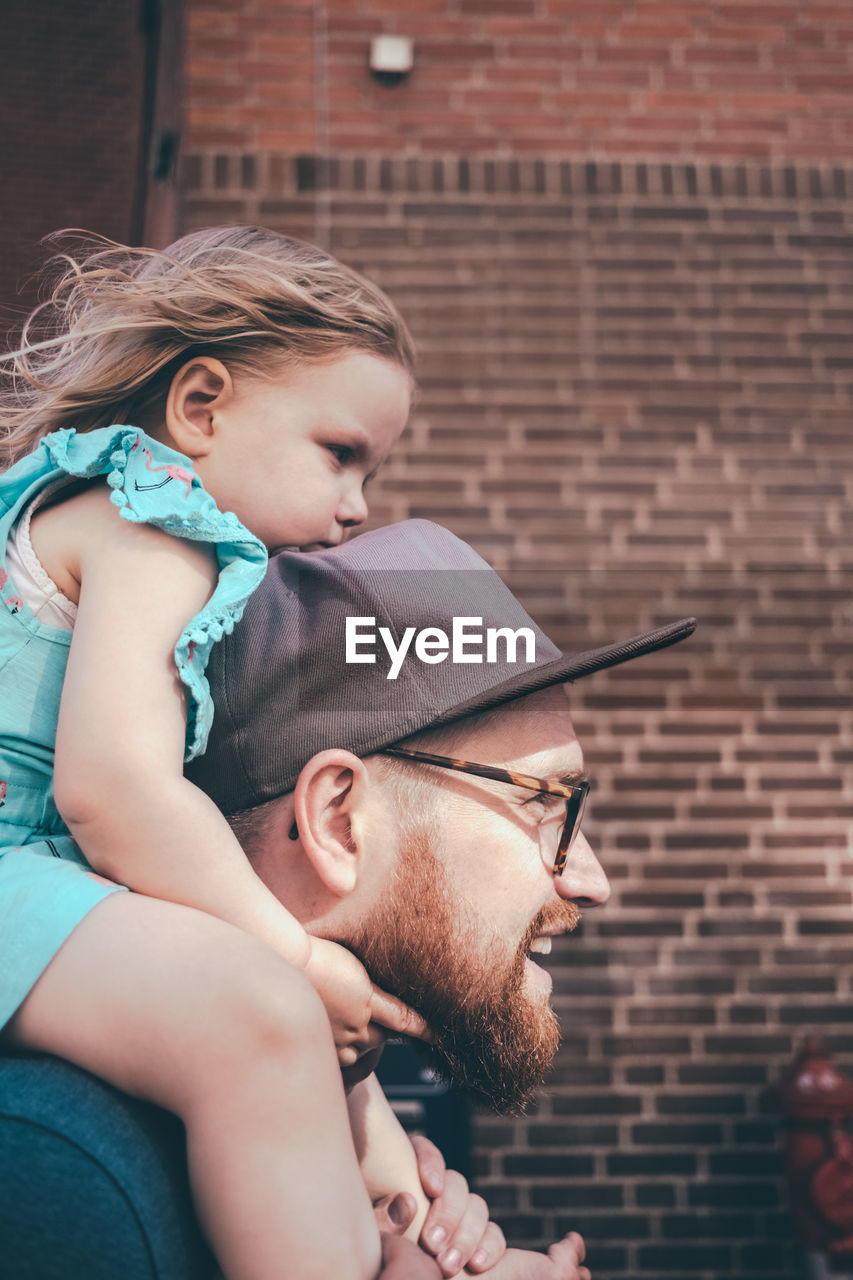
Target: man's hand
357 1009
394 1213
457 1230
562 1262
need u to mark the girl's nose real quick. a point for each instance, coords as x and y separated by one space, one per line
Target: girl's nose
352 508
583 879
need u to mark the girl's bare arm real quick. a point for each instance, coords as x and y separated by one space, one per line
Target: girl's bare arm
119 781
450 1222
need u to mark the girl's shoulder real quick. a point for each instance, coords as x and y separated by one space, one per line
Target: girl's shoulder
78 528
149 482
134 464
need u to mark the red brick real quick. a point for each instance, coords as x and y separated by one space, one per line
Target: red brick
721 54
755 34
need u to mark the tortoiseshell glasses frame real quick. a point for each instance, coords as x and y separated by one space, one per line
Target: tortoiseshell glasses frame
574 795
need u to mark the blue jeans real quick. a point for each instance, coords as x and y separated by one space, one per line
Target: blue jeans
92 1184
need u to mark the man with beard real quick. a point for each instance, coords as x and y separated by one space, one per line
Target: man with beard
418 801
393 746
459 907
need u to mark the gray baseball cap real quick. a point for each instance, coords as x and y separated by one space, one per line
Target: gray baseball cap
402 629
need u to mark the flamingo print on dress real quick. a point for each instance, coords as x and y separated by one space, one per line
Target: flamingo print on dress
13 603
174 472
3 790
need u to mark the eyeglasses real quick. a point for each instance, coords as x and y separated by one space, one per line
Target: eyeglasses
575 796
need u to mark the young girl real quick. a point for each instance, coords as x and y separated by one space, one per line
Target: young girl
264 384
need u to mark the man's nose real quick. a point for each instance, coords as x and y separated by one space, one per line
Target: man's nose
583 880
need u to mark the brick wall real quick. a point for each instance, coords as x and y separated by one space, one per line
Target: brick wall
71 84
622 234
771 79
635 400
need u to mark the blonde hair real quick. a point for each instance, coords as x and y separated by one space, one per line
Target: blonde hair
119 322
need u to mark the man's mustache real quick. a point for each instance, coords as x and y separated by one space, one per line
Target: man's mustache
557 917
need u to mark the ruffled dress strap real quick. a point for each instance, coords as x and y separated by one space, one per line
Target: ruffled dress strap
153 484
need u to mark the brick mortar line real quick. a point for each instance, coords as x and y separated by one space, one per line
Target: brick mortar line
214 171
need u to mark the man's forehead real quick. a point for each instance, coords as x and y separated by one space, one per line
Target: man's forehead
533 734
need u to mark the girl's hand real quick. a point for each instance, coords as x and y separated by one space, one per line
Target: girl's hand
402 1260
457 1230
357 1009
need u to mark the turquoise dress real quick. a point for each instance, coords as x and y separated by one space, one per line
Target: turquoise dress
46 885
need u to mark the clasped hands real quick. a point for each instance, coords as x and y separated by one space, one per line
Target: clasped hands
457 1236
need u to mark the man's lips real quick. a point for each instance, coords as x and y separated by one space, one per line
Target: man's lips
551 921
536 976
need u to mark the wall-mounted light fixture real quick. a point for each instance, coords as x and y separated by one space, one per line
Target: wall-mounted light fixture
391 58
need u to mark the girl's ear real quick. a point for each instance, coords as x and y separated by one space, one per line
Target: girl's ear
198 389
327 808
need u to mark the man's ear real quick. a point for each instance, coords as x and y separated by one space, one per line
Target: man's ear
328 802
198 389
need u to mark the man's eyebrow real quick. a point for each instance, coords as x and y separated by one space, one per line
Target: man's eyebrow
570 779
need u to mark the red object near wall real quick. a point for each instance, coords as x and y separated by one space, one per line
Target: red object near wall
816 1098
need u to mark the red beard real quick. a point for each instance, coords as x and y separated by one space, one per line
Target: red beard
491 1038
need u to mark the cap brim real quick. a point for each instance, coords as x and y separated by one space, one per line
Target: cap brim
570 667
